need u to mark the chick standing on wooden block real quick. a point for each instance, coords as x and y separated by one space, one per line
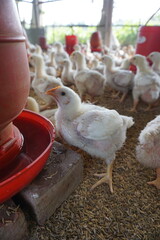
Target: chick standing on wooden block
148 149
97 130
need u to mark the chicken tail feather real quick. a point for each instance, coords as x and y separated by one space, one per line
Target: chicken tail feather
128 121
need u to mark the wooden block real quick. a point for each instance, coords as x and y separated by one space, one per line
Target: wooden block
61 175
13 225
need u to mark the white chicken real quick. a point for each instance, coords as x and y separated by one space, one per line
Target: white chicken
32 104
97 66
148 148
77 47
50 70
87 81
155 58
68 73
38 49
42 82
146 83
118 79
60 55
41 52
51 62
50 114
97 130
79 59
125 64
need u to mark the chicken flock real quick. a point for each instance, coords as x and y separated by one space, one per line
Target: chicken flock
66 87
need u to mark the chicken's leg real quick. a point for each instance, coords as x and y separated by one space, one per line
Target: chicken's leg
135 103
116 94
152 105
123 97
156 182
105 178
148 108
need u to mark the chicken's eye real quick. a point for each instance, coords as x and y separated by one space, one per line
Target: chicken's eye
63 93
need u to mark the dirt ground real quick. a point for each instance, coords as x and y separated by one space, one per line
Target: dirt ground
130 213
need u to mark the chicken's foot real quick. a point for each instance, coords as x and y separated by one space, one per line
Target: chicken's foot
134 108
116 94
148 108
105 178
156 182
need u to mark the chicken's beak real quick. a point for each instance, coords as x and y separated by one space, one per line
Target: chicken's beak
52 91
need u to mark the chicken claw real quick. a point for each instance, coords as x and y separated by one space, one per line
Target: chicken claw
148 108
105 178
156 182
132 110
123 97
116 95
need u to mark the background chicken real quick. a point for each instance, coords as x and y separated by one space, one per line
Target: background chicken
60 55
146 83
87 81
148 149
32 104
118 79
42 81
97 130
155 58
67 75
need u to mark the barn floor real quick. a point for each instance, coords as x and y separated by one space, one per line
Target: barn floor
130 213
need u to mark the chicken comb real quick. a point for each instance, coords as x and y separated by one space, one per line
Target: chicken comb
52 89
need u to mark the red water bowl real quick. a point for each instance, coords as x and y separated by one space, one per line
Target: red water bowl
39 134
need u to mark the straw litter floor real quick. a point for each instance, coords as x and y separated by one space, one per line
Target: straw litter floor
130 213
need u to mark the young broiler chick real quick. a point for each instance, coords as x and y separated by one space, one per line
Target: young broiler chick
33 105
60 55
50 70
42 82
97 130
118 79
148 148
87 81
155 58
97 66
68 73
146 83
51 66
